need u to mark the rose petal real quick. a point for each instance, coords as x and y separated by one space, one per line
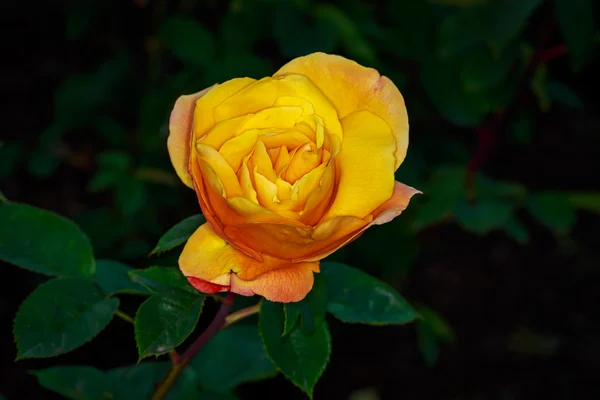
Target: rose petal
212 265
352 87
365 164
180 131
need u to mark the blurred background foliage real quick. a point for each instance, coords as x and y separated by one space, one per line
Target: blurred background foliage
501 252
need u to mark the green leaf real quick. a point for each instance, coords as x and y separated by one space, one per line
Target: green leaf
112 167
165 320
484 215
301 358
576 21
311 309
554 210
42 162
357 297
589 201
431 331
10 156
130 196
83 383
141 377
61 315
445 189
113 277
79 95
188 40
508 18
160 279
178 234
234 356
292 313
441 81
481 69
44 242
516 230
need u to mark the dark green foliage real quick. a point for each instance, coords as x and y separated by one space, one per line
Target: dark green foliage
178 234
60 316
44 242
354 296
301 356
165 320
472 76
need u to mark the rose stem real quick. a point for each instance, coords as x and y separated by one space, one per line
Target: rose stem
222 319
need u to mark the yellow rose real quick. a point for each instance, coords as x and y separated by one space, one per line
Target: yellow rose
287 170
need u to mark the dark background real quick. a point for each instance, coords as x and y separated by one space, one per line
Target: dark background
500 255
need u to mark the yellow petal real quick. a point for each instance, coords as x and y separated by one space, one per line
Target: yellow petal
276 117
224 131
366 165
291 138
212 265
246 182
266 191
282 160
180 131
262 162
306 105
225 173
265 93
234 150
204 111
304 160
352 87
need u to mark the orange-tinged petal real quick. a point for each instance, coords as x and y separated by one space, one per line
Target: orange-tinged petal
286 241
320 199
288 284
212 265
396 204
366 164
180 131
204 112
352 87
383 214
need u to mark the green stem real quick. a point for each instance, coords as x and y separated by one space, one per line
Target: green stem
3 198
124 316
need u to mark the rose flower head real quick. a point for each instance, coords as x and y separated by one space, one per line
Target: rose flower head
287 169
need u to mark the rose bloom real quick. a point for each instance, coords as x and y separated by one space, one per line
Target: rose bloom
287 169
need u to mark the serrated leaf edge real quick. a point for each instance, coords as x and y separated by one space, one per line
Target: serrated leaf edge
18 358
